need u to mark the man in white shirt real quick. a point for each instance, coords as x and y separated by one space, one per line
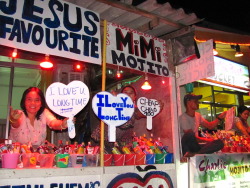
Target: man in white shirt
190 121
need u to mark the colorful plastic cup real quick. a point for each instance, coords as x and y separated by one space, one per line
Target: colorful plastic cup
76 160
62 160
90 160
108 159
46 160
169 158
29 160
10 160
160 158
130 159
150 158
140 159
119 159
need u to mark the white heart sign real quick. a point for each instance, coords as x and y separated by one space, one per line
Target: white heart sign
113 110
67 100
149 108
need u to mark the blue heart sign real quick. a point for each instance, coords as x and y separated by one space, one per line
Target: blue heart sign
113 110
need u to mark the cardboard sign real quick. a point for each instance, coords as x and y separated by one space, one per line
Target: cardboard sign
149 108
198 68
113 110
67 100
56 27
133 49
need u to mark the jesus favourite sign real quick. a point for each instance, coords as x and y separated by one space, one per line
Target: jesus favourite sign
112 110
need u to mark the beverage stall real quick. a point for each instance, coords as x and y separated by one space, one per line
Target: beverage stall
149 159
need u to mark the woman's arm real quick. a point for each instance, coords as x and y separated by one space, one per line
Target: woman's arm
54 123
241 127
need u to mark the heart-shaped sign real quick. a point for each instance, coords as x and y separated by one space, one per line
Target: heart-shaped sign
149 108
67 100
113 110
151 179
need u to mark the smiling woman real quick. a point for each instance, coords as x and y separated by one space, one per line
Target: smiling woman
30 124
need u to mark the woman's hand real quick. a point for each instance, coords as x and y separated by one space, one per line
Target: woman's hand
64 124
14 115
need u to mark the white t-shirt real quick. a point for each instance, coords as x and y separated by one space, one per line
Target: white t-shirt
187 122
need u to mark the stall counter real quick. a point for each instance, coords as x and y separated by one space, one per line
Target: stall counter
125 176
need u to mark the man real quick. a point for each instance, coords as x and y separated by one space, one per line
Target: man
190 121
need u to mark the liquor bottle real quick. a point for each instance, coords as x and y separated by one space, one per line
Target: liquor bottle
75 148
67 148
115 149
60 147
81 149
89 148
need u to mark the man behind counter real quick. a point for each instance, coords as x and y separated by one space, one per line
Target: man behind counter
189 125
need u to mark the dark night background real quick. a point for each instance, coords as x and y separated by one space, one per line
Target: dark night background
233 14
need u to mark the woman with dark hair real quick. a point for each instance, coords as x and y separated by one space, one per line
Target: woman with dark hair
240 126
29 124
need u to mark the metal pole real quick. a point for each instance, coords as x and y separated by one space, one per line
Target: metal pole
9 97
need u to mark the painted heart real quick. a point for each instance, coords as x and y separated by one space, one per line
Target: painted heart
151 179
148 107
112 110
67 100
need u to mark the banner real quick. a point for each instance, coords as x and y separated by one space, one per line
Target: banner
220 170
136 50
197 69
51 27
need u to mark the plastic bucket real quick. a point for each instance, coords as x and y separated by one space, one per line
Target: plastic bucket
169 158
119 159
108 159
46 160
62 160
130 159
29 160
76 160
10 160
150 158
140 159
90 160
160 158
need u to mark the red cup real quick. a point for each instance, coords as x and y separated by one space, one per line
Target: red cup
140 159
225 149
108 158
130 159
119 159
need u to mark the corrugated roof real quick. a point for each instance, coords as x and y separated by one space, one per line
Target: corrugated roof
149 17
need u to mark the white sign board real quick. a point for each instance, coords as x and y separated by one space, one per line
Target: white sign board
133 49
112 110
51 27
54 182
198 68
229 72
67 100
149 108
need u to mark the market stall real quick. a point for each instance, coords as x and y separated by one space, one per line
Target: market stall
136 52
229 166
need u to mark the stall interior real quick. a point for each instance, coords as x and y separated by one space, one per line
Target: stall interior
216 100
27 73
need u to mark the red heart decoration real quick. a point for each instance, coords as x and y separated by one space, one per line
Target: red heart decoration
151 179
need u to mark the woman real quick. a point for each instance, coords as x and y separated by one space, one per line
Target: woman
29 125
240 126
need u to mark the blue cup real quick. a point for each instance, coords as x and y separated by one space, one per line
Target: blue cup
150 158
169 158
